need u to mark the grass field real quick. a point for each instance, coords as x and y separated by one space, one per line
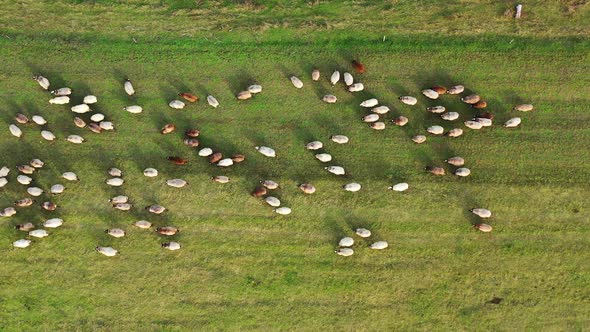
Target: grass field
241 266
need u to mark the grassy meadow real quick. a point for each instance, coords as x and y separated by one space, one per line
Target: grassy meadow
242 267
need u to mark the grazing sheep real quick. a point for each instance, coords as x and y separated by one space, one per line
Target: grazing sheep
3 182
419 139
24 180
255 88
455 90
283 210
408 100
399 187
238 158
123 206
471 99
439 171
212 101
39 120
243 95
80 109
307 188
115 232
473 124
178 160
168 128
106 125
176 104
129 87
57 189
115 172
455 132
370 118
225 162
37 163
4 171
436 109
353 187
450 116
338 170
156 209
90 99
486 115
258 192
97 117
115 182
8 212
134 109
370 103
340 139
21 118
150 172
144 224
266 151
269 184
35 191
40 233
379 245
176 183
167 230
220 179
47 135
429 93
363 232
79 122
26 227
49 206
53 223
400 121
76 139
483 227
121 199
455 161
330 99
335 77
315 145
171 245
189 97
60 100
512 123
215 157
344 252
272 201
346 242
22 243
441 90
192 133
205 152
26 169
108 251
523 107
481 212
15 131
435 130
462 171
296 82
380 109
315 74
62 92
191 142
348 79
356 87
377 125
43 82
484 121
480 104
323 157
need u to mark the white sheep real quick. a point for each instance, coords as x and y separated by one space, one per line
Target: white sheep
115 172
205 152
315 74
379 245
436 109
403 186
106 125
330 99
356 87
272 201
15 131
79 122
57 189
338 170
485 122
315 145
471 99
450 116
129 88
40 233
107 251
221 179
123 206
80 109
340 139
43 82
4 171
156 209
244 95
323 157
419 139
176 183
226 162
348 79
39 120
150 172
473 124
463 171
400 121
115 182
25 227
171 245
408 100
377 125
143 224
380 109
296 82
429 93
370 117
37 163
307 188
3 182
62 92
353 187
335 77
344 252
115 232
8 212
47 135
435 130
512 123
35 191
483 227
24 180
346 242
370 103
134 109
481 212
455 132
255 88
268 152
22 243
455 90
90 99
283 210
269 184
524 108
212 101
455 161
363 232
60 100
121 199
76 139
97 117
176 104
21 118
53 223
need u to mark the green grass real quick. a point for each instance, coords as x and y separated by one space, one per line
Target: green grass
241 266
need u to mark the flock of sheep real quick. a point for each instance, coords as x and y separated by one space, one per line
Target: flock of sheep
98 123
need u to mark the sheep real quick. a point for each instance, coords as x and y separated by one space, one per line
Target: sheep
352 187
60 100
512 123
419 139
35 191
115 232
244 95
21 118
400 121
315 74
455 90
258 192
150 172
108 251
335 77
403 186
435 130
178 160
463 171
439 171
315 145
25 227
24 180
523 107
189 97
296 82
115 182
76 139
362 232
176 104
330 99
436 109
123 206
379 245
129 87
121 199
323 157
225 162
455 161
220 179
473 124
483 227
205 152
40 233
370 118
441 90
155 209
47 135
167 230
168 128
192 133
90 99
43 82
144 224
455 132
80 109
408 100
486 115
380 109
4 171
429 93
37 163
268 152
269 184
359 67
3 182
8 212
340 139
481 212
484 121
53 223
480 104
369 103
39 120
255 88
348 79
191 142
176 183
49 206
283 210
215 157
62 92
57 189
272 201
22 243
346 242
337 170
134 109
106 125
115 172
79 122
356 87
212 101
307 188
377 125
450 116
171 245
26 169
95 128
238 158
15 131
97 117
344 252
471 99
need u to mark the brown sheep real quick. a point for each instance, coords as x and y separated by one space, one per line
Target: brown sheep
400 121
168 128
189 97
259 191
480 104
441 90
24 202
439 171
359 67
193 133
95 128
192 142
486 115
307 188
167 230
21 118
215 157
49 206
238 158
178 160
